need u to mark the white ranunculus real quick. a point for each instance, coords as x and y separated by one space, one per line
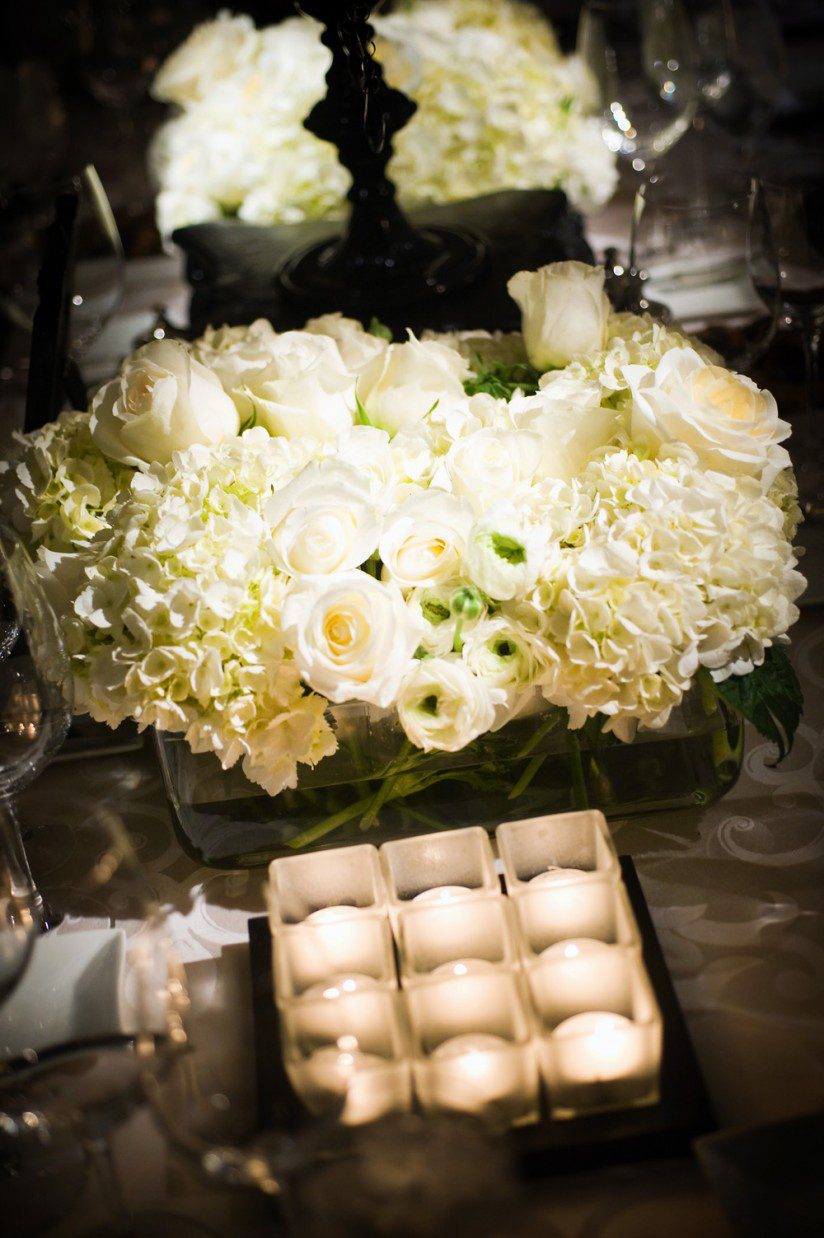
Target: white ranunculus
424 539
493 464
564 312
505 654
357 346
732 425
306 391
213 51
441 620
407 381
162 401
352 637
324 521
568 432
504 553
443 706
237 355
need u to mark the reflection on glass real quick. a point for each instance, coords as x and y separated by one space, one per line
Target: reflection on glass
640 58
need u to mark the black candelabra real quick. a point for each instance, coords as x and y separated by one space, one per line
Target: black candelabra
381 259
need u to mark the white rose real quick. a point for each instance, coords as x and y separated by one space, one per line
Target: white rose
213 51
504 553
493 464
357 346
367 450
323 521
564 312
237 355
730 423
306 391
443 706
424 539
406 381
568 431
162 401
352 637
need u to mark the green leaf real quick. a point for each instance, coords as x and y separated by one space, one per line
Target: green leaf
363 416
769 697
500 380
380 329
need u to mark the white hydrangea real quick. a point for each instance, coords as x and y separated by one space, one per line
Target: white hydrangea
477 553
57 487
177 623
498 108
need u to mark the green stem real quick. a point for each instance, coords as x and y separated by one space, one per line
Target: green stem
550 725
580 799
526 777
330 823
386 789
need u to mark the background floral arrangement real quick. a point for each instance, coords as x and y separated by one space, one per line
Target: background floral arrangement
245 528
498 108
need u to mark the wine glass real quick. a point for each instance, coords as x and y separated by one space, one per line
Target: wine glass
703 247
793 214
640 58
794 204
740 63
86 1014
36 697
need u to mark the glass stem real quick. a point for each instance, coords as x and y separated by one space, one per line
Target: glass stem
811 327
17 864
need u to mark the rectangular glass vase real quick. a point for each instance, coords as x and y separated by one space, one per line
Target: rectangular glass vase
377 787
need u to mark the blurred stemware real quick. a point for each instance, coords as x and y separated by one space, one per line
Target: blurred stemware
740 63
705 248
640 58
794 202
98 272
87 1013
36 699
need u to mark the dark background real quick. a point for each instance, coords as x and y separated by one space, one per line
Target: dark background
74 78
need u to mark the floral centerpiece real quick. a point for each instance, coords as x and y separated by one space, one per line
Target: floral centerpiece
245 532
499 107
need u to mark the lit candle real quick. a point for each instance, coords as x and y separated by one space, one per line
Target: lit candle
330 915
578 975
366 1084
553 876
331 942
464 967
599 1047
553 909
441 894
477 1070
338 986
574 949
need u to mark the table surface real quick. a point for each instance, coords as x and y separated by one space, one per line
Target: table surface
735 890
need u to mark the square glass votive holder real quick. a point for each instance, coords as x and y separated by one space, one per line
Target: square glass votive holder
346 1054
309 956
433 869
593 908
604 1059
541 850
467 936
581 974
325 886
473 1049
